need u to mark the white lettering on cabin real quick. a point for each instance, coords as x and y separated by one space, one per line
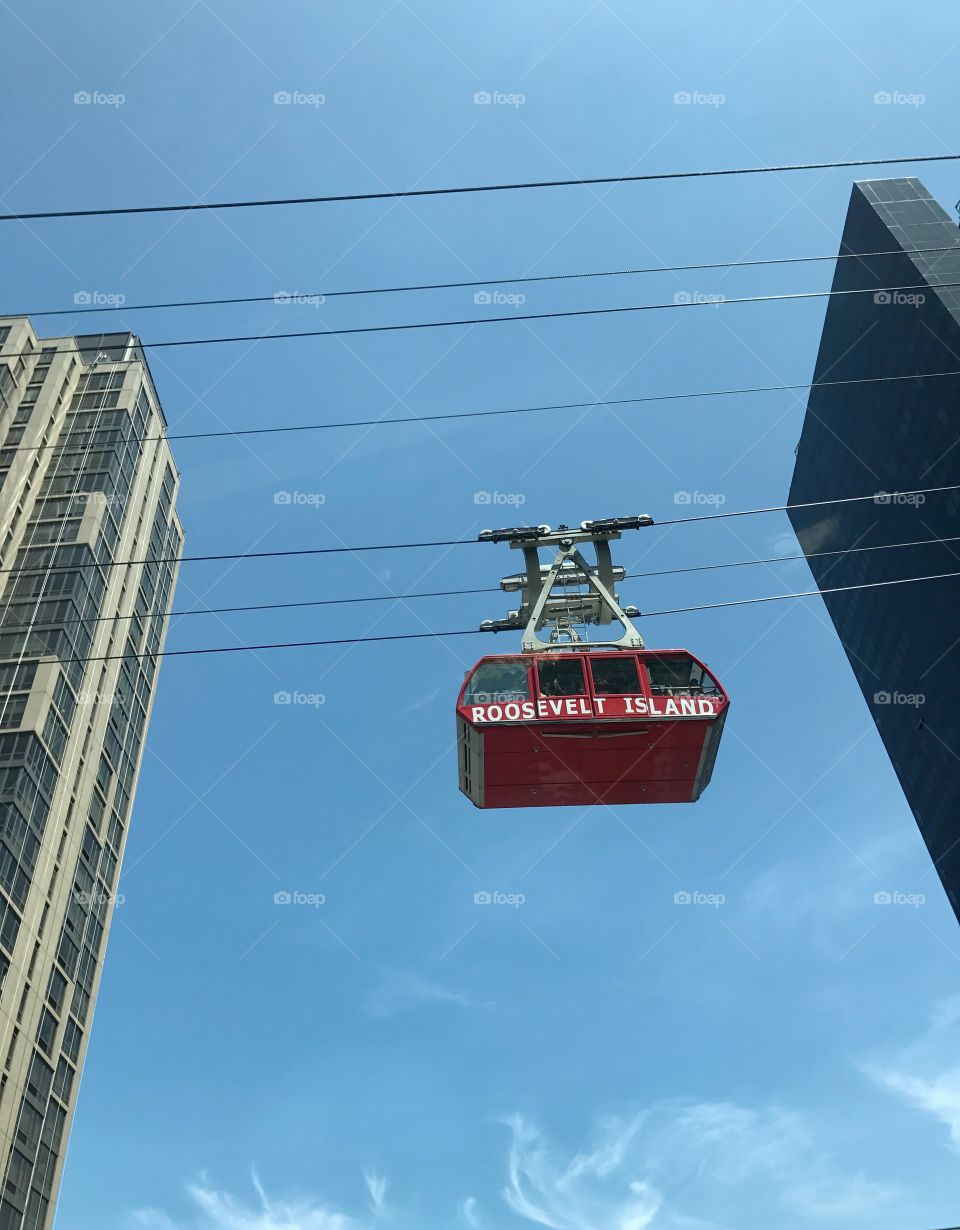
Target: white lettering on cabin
570 706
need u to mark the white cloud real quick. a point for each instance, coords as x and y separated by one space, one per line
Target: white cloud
405 991
785 543
423 702
673 1166
584 1193
218 1210
938 1095
470 1212
684 1165
377 1187
926 1074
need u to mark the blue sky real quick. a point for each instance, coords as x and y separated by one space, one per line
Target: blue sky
597 1058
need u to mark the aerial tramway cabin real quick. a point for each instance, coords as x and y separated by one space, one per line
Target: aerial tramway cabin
584 728
570 723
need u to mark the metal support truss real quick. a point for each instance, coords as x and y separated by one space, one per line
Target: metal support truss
545 600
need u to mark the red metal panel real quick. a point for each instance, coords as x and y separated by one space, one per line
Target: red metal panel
593 760
589 750
578 795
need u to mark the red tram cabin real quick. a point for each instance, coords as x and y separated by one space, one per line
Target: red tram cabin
587 728
567 723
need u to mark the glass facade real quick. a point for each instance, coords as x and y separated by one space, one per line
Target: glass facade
884 439
80 489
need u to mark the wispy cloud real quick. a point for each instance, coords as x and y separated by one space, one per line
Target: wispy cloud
377 1187
406 991
214 1209
926 1074
589 1190
470 1212
672 1166
685 1165
423 702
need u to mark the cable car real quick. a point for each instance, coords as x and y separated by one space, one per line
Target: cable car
578 723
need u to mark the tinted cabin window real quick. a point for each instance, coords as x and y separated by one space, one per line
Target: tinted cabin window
561 678
679 676
615 676
497 683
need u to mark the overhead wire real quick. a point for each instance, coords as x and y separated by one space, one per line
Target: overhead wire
416 636
479 414
173 613
456 542
410 193
300 297
523 317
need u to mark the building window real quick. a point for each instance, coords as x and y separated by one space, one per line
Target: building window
63 1081
47 1031
56 990
72 1040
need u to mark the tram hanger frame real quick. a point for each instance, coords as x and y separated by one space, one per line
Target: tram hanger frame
541 604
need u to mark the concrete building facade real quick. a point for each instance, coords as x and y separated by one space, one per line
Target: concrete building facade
87 483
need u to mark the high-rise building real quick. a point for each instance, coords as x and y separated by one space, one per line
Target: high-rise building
889 434
87 485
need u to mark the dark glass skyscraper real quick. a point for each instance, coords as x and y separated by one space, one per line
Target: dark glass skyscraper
883 438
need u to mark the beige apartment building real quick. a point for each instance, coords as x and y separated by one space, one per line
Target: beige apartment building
87 484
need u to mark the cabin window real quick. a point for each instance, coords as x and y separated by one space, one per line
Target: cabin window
496 683
615 676
561 677
679 675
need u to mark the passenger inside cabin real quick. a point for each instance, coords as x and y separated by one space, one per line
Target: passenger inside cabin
561 677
